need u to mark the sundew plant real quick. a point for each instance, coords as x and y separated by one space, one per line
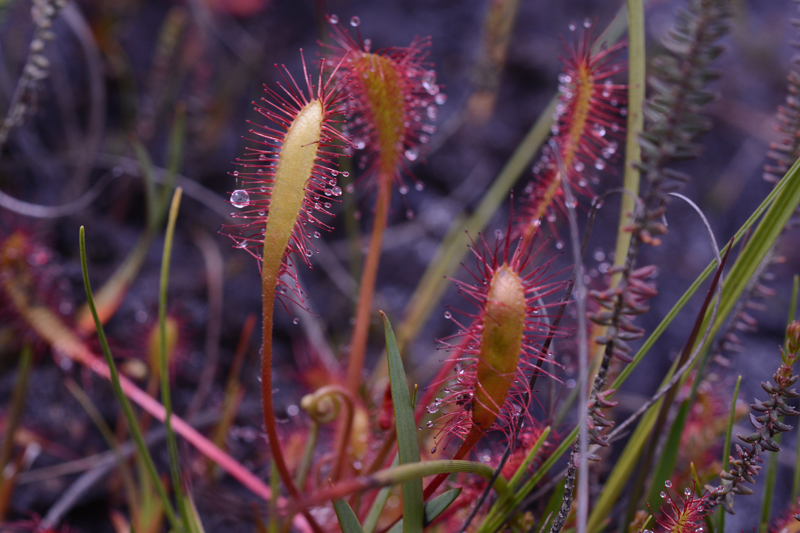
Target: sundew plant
517 266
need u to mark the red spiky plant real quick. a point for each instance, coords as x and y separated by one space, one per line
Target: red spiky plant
499 351
587 127
682 514
287 178
394 97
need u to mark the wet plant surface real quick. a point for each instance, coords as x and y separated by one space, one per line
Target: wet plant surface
123 74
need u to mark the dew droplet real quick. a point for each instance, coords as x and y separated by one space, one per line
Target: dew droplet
333 19
560 245
336 191
295 321
668 484
587 23
355 21
402 189
663 494
429 81
432 112
308 253
346 174
578 166
440 98
447 315
687 492
572 26
334 173
316 235
240 198
260 171
600 164
412 154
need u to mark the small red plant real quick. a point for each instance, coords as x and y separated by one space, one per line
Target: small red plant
587 126
499 350
682 514
394 97
269 195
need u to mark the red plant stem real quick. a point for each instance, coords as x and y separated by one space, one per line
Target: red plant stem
269 279
75 350
358 346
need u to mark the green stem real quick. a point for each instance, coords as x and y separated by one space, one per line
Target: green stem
166 398
120 395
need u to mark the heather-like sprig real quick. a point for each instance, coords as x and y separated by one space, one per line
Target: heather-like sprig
587 126
766 423
500 348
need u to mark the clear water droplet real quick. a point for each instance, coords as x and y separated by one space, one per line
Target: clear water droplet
687 492
663 494
432 112
403 189
419 186
295 321
572 26
429 82
412 154
240 198
560 245
447 315
260 171
668 484
262 157
333 19
600 164
355 21
440 98
334 173
346 174
587 23
578 166
308 253
316 235
336 191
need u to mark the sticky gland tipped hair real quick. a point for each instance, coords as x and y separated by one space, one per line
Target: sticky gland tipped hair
288 176
500 349
588 125
394 99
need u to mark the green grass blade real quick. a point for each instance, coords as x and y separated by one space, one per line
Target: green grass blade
166 397
148 178
407 444
377 506
133 424
14 411
726 458
759 245
433 509
348 520
669 456
636 85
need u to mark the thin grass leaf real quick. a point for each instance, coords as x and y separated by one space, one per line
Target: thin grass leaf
377 506
407 444
166 398
13 415
133 424
669 455
433 509
633 151
348 520
177 141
